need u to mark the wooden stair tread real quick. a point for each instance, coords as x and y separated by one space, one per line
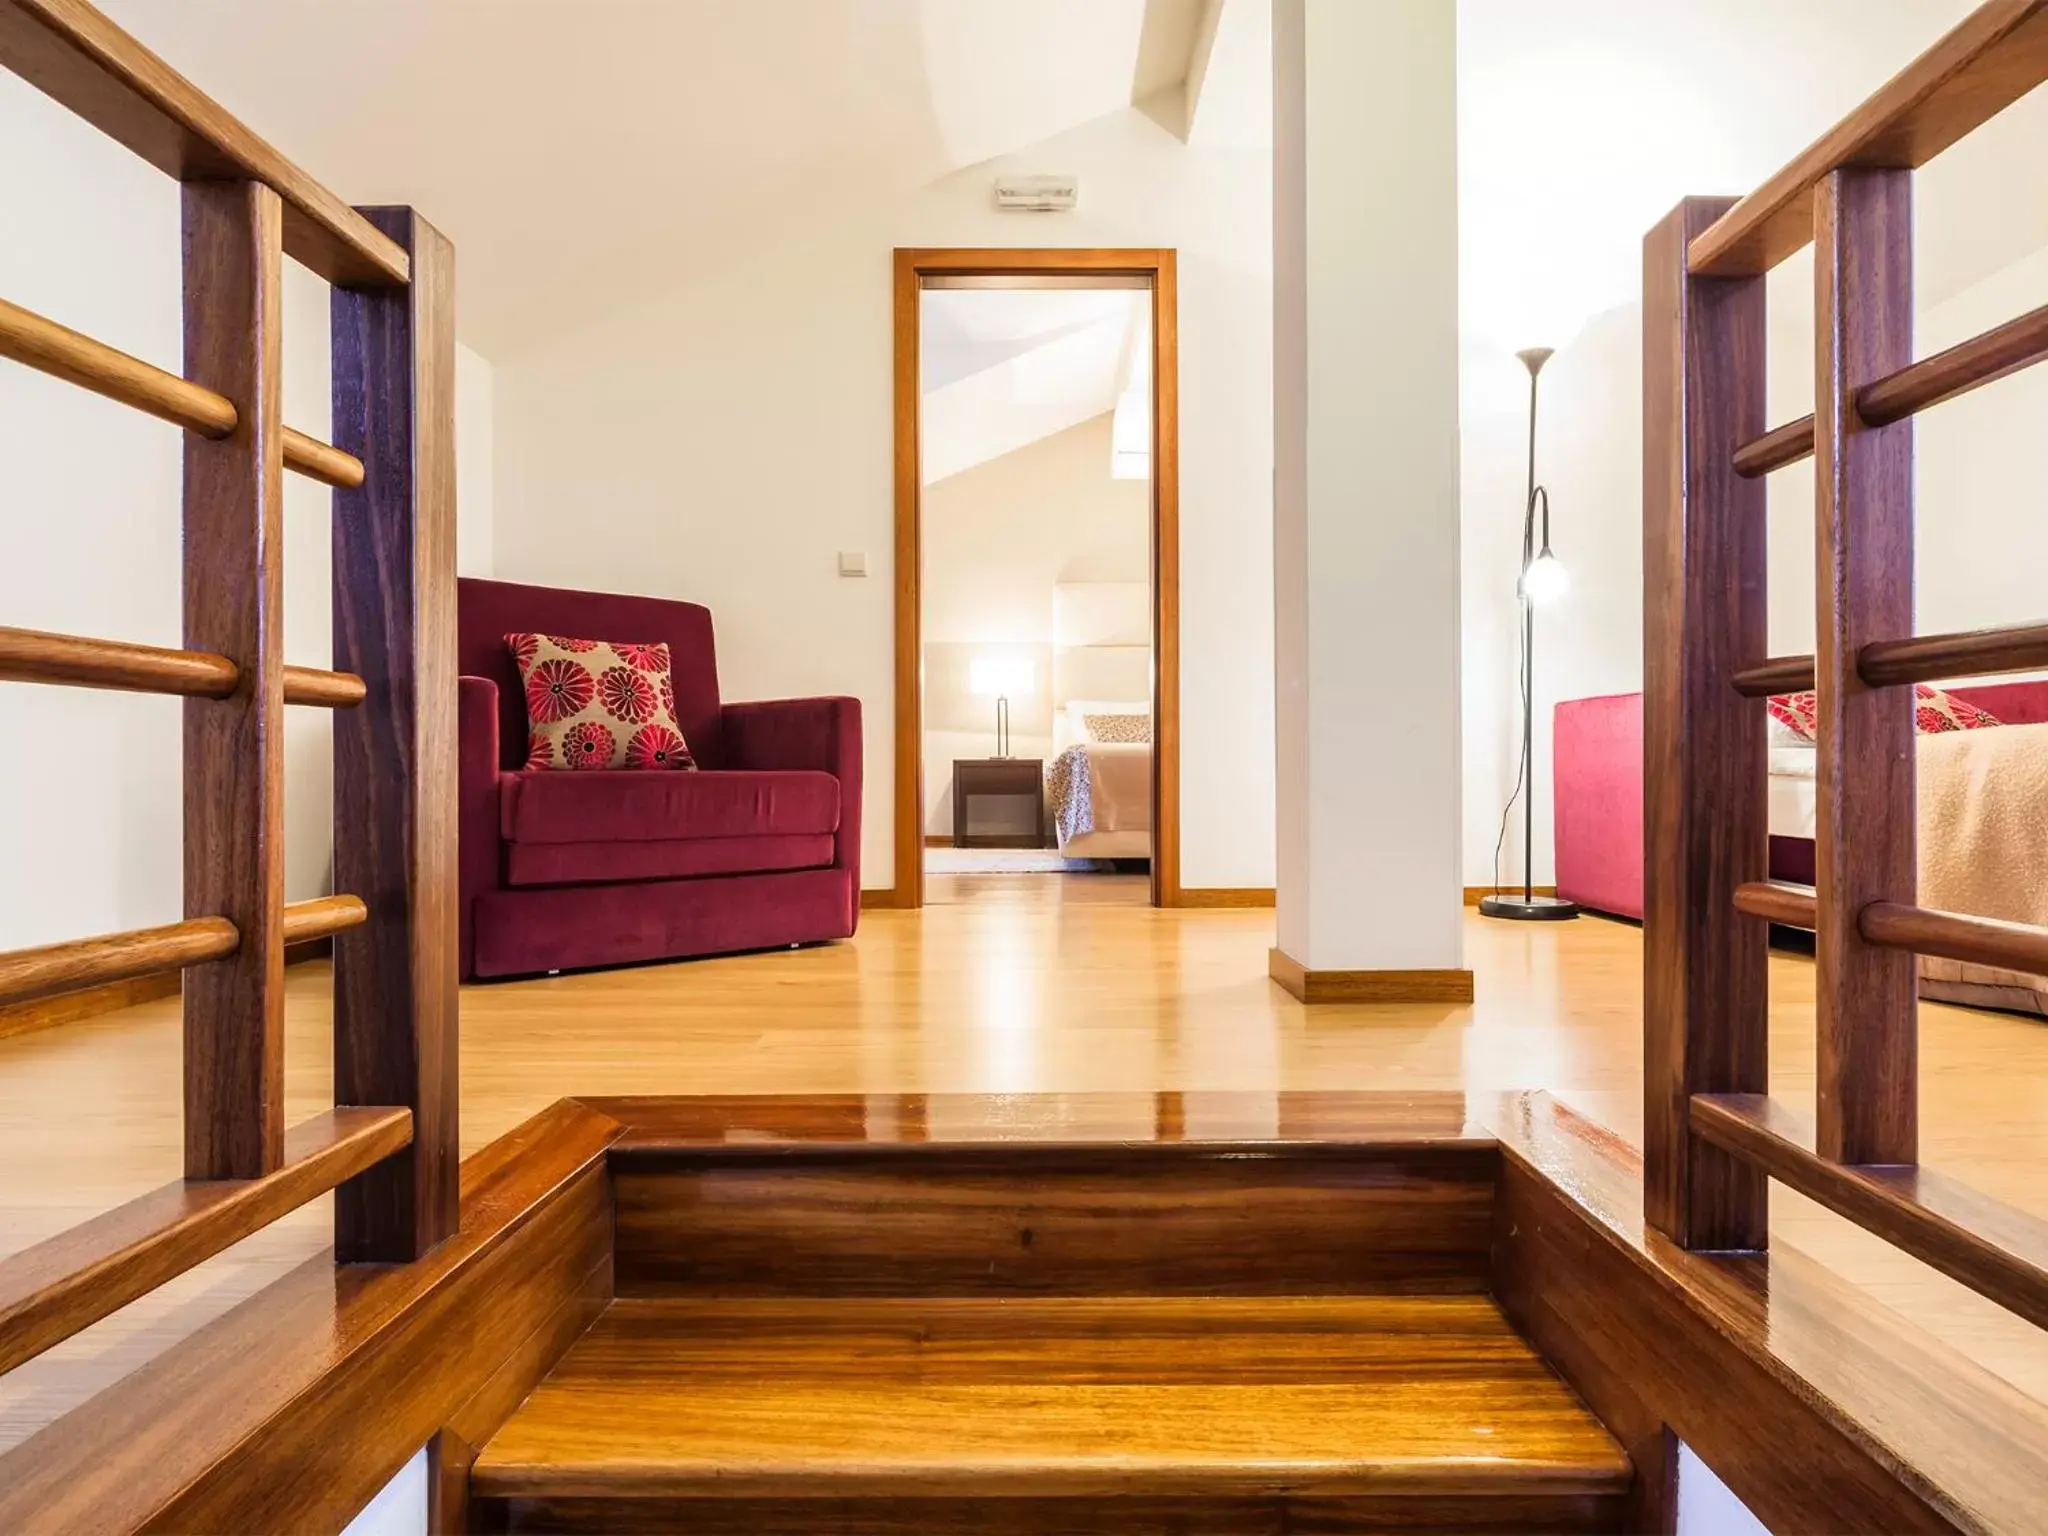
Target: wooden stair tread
865 1397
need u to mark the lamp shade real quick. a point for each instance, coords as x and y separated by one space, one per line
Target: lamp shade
998 674
1546 579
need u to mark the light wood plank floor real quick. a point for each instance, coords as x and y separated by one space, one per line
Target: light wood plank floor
1005 984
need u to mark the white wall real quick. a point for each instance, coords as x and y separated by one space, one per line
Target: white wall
1580 126
90 805
998 539
723 441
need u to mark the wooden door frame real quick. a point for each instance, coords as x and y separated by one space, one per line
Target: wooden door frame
1158 266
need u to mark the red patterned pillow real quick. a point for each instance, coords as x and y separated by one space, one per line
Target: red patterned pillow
598 704
1933 711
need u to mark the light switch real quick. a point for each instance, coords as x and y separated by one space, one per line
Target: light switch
853 562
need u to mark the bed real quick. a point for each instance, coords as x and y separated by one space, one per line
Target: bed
1098 785
1983 822
1098 782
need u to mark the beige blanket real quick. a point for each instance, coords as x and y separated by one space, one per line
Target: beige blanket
1984 851
1100 787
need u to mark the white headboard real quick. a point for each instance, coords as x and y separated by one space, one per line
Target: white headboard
1102 645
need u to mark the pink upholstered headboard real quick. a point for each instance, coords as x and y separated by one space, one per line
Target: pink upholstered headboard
2013 703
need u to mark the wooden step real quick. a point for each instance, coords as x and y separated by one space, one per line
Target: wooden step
1067 1195
1101 1414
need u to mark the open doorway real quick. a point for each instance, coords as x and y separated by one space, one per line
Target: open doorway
1037 648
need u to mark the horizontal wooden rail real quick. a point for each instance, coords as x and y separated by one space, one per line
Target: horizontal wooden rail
1895 925
1777 902
1999 1252
1775 449
35 656
1781 674
1920 659
76 358
322 916
1956 936
56 1288
27 974
1969 653
2002 350
1989 60
78 57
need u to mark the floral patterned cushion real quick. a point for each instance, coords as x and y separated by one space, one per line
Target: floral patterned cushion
1933 711
598 704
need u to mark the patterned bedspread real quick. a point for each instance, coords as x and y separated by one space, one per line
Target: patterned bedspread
1100 787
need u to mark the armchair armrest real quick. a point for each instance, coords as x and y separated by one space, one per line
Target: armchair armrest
820 734
476 794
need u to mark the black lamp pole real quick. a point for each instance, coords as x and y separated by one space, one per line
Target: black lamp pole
1528 906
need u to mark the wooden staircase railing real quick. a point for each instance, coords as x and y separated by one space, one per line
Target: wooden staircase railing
1712 1136
390 1146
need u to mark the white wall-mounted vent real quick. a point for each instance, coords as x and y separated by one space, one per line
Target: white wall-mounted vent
1037 194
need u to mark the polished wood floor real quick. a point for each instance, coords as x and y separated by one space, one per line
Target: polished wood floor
1007 984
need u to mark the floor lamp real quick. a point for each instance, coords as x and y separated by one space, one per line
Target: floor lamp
1542 578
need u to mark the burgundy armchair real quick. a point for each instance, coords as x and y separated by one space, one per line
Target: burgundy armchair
560 870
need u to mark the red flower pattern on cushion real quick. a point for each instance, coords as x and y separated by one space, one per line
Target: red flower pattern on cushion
558 689
656 746
645 658
586 744
593 704
1797 712
626 695
1934 711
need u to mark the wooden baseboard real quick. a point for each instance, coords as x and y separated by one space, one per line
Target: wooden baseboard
85 1003
883 899
1444 986
1224 896
1474 894
90 1002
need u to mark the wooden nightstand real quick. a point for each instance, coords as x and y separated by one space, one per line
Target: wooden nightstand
1011 777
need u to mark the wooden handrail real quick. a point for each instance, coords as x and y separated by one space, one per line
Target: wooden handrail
1956 936
1777 902
1781 674
2002 350
1994 56
27 974
63 353
1775 449
1999 1252
1920 659
322 916
81 59
1896 925
54 1289
1967 653
36 656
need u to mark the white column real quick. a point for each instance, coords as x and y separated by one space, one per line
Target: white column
1366 498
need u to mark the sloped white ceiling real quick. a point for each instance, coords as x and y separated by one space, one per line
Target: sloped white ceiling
1005 367
572 148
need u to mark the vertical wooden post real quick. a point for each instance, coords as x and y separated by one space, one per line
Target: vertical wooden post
1705 829
1866 1007
395 1029
234 747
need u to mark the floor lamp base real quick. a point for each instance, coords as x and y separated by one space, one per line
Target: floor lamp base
1528 909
